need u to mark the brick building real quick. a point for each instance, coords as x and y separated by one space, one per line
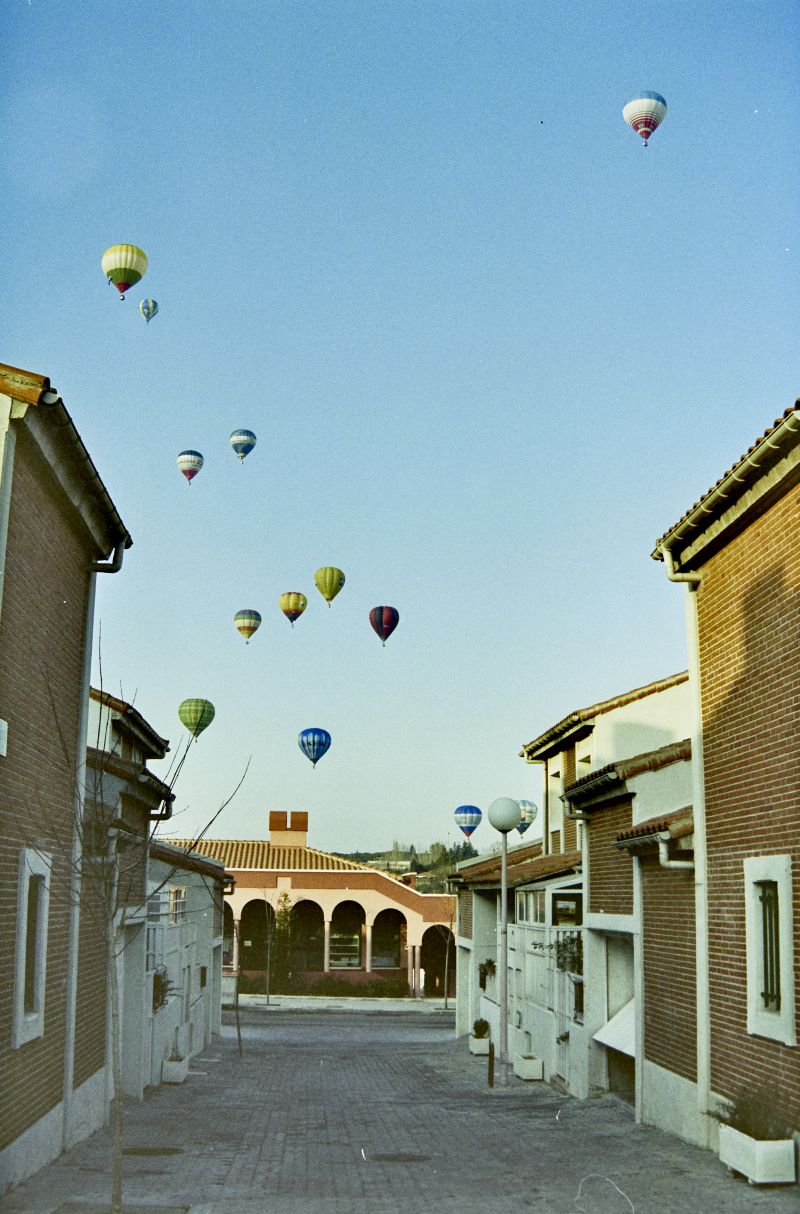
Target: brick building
737 551
548 916
639 1010
347 919
58 530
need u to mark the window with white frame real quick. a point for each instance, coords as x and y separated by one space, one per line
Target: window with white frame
177 904
30 969
530 906
770 948
151 948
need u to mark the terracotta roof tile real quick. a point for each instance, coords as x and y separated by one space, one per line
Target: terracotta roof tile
261 855
732 473
530 868
677 824
551 737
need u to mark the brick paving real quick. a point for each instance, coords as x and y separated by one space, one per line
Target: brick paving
334 1113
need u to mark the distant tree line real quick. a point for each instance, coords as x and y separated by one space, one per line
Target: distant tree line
432 864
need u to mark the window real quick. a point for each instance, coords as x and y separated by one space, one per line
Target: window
770 948
567 910
530 906
33 898
177 904
151 949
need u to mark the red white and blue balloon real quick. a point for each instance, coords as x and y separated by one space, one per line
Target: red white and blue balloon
529 812
190 463
468 817
314 743
645 114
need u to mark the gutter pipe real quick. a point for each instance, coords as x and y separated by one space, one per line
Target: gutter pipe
663 854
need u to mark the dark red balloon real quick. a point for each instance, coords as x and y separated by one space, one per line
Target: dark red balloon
384 620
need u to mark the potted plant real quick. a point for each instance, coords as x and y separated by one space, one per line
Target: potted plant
174 1069
528 1066
479 1038
755 1138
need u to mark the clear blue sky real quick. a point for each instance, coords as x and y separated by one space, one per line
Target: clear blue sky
491 346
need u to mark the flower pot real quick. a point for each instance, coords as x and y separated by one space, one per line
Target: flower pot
528 1066
478 1045
762 1161
174 1070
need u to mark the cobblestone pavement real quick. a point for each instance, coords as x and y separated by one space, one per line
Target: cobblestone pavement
331 1113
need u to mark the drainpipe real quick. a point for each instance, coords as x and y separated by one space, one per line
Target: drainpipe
692 582
71 993
663 854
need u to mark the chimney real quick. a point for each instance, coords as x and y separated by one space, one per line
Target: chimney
288 830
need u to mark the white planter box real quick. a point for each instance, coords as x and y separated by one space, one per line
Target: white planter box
174 1070
762 1162
528 1066
478 1045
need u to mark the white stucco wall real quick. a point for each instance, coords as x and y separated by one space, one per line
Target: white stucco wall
643 725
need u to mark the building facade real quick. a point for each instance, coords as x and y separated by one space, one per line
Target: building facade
737 554
553 959
346 919
58 530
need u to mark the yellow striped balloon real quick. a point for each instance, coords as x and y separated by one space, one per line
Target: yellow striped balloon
124 265
329 581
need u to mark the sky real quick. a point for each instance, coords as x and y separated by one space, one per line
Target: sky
491 346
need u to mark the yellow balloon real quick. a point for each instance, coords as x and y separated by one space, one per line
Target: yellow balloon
329 582
292 604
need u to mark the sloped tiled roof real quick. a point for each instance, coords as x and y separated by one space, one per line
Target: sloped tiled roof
676 824
783 434
530 867
263 856
552 737
614 775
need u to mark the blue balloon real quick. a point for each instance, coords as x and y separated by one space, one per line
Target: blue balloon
148 309
243 442
468 817
529 812
314 743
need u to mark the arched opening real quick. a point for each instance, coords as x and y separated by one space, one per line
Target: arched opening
438 959
227 935
347 930
255 935
388 940
308 937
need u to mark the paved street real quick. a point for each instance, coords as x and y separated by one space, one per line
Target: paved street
333 1112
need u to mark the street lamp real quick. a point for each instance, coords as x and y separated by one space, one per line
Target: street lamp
504 815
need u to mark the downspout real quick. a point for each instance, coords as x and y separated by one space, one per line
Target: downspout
703 1044
663 854
77 849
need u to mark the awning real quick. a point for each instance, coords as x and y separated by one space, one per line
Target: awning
620 1031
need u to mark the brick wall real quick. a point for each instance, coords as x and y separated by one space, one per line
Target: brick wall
569 837
465 913
670 1007
749 626
610 871
41 649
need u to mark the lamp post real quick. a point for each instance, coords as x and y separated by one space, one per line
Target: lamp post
504 815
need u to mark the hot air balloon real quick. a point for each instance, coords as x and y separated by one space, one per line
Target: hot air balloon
196 715
190 463
148 309
314 743
384 620
248 622
529 812
243 442
645 114
468 817
293 604
329 582
124 265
